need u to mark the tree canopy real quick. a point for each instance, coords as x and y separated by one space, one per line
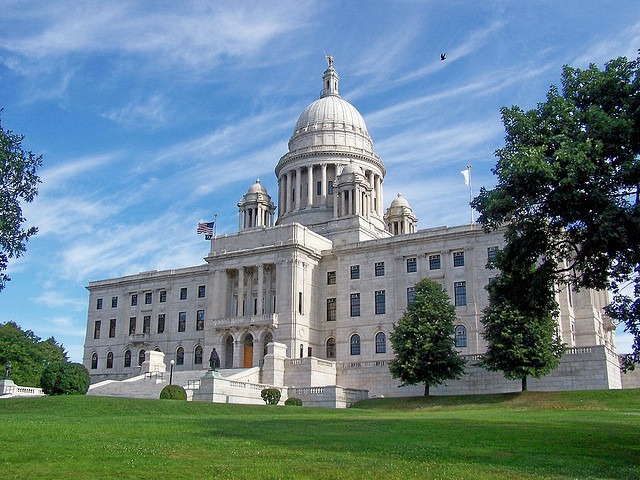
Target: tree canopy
568 187
423 339
28 353
63 378
18 182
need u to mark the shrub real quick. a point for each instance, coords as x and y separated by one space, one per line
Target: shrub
293 401
173 392
63 378
271 396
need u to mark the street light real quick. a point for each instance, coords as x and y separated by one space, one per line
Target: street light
171 373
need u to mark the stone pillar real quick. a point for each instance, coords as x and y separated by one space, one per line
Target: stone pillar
238 357
240 291
310 186
240 220
260 288
280 196
323 186
336 200
298 187
288 203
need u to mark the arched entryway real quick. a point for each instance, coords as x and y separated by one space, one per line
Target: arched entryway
268 338
248 351
228 352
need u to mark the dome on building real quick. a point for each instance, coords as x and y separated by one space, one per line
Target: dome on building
257 188
328 113
399 201
351 169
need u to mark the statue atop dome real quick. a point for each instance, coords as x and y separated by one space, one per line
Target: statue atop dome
329 59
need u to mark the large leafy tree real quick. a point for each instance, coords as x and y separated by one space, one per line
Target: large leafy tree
28 353
423 339
18 182
568 189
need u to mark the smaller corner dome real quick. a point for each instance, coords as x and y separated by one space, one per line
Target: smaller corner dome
351 168
399 201
257 188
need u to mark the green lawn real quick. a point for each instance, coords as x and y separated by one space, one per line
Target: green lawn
532 435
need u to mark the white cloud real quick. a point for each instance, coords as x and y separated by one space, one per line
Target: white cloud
625 43
149 112
53 177
57 299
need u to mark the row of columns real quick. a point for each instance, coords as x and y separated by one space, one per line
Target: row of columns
255 217
243 293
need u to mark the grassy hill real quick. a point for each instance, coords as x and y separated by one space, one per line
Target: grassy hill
530 435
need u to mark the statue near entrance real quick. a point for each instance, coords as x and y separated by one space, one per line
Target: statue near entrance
214 360
7 371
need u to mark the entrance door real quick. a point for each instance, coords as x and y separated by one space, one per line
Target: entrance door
248 357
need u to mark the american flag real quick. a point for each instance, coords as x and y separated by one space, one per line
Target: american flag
206 227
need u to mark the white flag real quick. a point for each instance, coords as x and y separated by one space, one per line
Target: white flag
466 176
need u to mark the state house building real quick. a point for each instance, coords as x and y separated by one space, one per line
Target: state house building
307 301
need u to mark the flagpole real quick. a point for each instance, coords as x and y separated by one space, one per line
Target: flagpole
215 224
470 193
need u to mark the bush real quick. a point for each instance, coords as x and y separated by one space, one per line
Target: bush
293 401
271 396
63 378
173 392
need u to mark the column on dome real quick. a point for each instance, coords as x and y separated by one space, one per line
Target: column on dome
280 196
298 187
288 197
309 185
323 186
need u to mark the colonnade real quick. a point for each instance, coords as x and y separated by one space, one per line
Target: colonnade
247 302
260 216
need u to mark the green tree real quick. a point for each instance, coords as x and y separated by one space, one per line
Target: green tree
28 353
568 188
18 182
423 339
64 378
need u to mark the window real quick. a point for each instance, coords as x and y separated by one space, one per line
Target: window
355 272
148 298
99 304
458 259
183 293
127 358
460 293
114 302
354 344
201 291
491 253
330 188
132 325
200 320
331 348
146 324
434 262
163 296
380 302
180 356
94 361
355 304
112 328
331 278
411 293
318 188
197 355
141 355
161 323
412 265
461 336
300 303
96 329
110 360
379 269
381 343
182 321
331 309
134 299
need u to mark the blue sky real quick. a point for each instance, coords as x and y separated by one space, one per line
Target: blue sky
153 116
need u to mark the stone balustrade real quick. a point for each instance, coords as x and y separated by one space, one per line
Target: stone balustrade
269 319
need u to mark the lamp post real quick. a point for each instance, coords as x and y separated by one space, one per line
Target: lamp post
171 372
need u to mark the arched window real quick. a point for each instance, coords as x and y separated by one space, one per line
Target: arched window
268 338
141 355
461 336
331 348
127 359
110 360
180 356
355 344
381 342
197 355
94 361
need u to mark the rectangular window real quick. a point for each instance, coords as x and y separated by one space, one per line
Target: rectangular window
434 262
163 296
300 303
112 328
458 259
96 329
200 320
201 291
161 323
491 253
182 321
355 272
331 309
460 293
134 299
132 325
183 293
412 265
319 188
146 324
379 269
148 298
380 302
355 305
99 304
411 293
114 302
330 188
331 278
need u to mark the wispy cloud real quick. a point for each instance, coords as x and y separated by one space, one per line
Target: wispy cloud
53 177
150 112
625 43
